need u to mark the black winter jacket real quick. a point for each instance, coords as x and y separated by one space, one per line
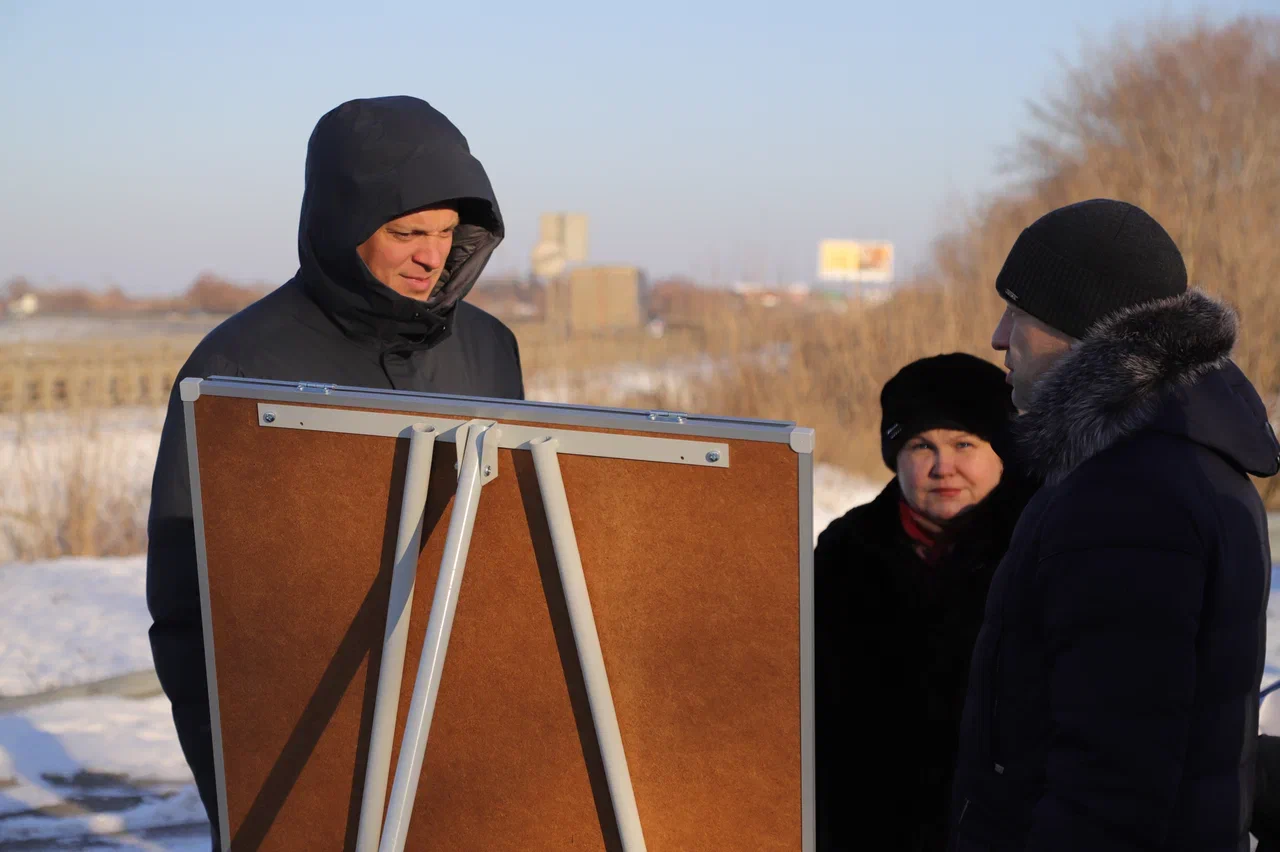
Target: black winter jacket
893 639
1113 699
368 162
1266 805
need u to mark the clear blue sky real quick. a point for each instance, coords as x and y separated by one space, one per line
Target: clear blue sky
144 142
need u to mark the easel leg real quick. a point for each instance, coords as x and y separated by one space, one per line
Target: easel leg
443 607
564 541
417 477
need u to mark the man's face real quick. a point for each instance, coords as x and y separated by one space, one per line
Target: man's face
408 254
1030 348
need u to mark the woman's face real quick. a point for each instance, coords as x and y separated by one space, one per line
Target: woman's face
943 472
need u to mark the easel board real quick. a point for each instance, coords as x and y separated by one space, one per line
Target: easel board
700 579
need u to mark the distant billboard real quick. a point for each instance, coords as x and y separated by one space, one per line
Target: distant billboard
855 261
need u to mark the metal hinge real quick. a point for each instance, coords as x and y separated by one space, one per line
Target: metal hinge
315 387
666 416
488 447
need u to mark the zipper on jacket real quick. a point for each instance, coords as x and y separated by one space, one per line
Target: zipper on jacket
953 841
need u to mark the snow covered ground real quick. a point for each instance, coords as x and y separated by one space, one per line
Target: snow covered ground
102 766
836 491
106 765
71 621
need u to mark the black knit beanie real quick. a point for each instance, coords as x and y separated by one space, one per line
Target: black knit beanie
1080 263
955 391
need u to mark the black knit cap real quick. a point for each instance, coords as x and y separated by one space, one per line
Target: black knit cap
1080 263
955 391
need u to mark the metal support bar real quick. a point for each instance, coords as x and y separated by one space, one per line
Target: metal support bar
573 442
565 543
436 643
417 478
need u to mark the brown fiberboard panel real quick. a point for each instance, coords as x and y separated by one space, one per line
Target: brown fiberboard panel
693 577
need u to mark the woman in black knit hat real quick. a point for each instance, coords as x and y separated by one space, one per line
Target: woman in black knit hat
900 585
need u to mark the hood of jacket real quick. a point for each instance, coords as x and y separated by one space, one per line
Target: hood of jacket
370 161
1164 366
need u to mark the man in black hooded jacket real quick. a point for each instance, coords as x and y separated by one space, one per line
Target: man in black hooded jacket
398 219
1113 694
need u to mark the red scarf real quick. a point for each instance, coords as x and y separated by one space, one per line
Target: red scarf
927 544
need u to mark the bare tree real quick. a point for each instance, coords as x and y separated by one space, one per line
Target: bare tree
1184 123
212 294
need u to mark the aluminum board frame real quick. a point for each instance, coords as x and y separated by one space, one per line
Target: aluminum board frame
206 621
800 440
474 407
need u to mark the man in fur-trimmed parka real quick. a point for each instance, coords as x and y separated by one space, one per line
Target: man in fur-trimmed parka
1113 695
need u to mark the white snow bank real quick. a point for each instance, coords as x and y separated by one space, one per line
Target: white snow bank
93 766
836 491
71 621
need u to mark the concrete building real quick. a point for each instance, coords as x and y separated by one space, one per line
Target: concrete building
593 299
